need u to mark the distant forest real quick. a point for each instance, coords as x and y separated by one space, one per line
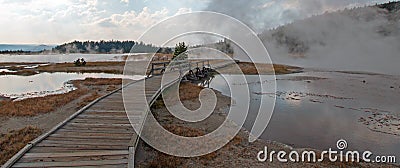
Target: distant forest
20 52
109 47
390 6
224 46
98 47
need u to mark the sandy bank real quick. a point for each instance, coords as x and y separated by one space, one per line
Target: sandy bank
248 68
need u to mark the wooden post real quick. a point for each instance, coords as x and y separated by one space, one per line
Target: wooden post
152 69
180 70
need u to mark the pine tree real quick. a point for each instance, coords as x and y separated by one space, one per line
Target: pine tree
180 48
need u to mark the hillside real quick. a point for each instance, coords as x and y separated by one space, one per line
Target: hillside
350 39
24 47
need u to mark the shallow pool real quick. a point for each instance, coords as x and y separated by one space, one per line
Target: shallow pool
319 110
20 87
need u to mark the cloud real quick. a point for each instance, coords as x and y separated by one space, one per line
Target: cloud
46 21
126 26
267 4
49 21
183 10
54 22
145 18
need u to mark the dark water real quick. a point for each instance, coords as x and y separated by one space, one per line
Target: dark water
317 113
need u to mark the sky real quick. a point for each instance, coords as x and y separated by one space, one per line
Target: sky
61 21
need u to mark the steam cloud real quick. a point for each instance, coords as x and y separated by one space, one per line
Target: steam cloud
361 39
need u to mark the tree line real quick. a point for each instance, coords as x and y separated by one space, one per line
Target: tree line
99 47
109 47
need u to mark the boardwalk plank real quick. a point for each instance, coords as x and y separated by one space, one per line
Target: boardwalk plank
72 159
102 124
83 142
76 163
77 146
100 135
38 149
118 141
96 153
91 137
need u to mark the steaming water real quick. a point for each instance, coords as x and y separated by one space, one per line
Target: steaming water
21 87
319 121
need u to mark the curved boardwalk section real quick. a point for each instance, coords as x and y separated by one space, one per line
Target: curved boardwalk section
99 136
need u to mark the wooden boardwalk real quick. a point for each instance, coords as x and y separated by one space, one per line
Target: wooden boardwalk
99 135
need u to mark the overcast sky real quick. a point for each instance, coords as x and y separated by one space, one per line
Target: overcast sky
59 21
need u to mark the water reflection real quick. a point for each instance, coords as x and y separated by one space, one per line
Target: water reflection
317 113
20 87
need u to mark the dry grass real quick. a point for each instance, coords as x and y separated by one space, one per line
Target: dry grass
163 160
86 100
284 69
162 57
88 64
98 81
184 131
14 141
189 91
159 103
90 67
250 68
157 57
42 105
20 63
111 88
167 161
38 105
25 72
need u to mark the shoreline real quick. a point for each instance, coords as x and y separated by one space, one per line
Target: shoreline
20 124
238 146
117 67
237 152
